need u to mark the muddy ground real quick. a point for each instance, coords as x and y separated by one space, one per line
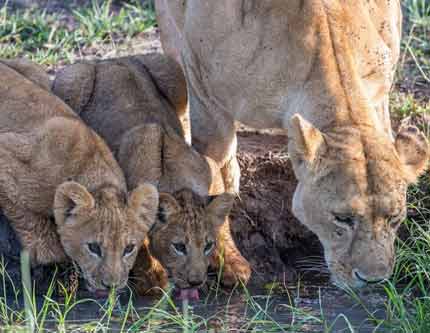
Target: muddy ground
266 231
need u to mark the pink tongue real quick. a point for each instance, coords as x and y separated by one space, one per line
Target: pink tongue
102 293
189 294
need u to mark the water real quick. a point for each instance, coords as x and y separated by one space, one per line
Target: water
291 309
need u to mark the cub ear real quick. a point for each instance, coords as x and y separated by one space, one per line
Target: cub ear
220 206
71 197
305 139
413 149
168 206
143 202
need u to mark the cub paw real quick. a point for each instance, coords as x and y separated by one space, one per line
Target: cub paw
236 270
151 281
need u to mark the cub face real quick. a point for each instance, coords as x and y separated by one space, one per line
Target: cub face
102 233
185 234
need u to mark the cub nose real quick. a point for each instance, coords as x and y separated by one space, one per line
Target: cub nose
364 278
195 282
107 285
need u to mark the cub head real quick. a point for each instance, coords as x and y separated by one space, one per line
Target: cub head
185 234
102 232
352 193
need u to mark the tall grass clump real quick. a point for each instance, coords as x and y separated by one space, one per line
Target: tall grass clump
408 306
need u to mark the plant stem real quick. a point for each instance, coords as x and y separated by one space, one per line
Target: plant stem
26 284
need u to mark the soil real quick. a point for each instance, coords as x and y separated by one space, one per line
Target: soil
264 228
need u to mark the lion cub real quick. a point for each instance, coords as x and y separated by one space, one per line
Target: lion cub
60 187
136 104
184 238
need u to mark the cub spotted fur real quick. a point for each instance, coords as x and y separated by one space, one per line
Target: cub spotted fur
135 104
60 187
185 237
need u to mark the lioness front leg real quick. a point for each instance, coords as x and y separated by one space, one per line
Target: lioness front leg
227 259
214 135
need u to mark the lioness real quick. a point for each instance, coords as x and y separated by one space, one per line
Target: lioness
322 70
135 104
60 187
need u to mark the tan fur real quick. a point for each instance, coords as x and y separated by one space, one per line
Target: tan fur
60 186
135 104
188 220
322 70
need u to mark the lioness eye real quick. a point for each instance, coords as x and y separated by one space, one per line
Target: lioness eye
347 220
128 249
95 249
395 221
209 247
180 248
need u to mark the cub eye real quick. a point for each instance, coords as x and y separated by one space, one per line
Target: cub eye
344 219
128 250
95 249
180 248
209 247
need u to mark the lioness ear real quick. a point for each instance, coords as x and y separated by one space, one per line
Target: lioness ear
305 139
220 207
168 206
70 197
413 149
143 202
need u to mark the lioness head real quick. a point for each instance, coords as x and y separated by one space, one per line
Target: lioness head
185 234
352 193
102 232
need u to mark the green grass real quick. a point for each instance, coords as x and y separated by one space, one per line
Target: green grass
48 39
415 60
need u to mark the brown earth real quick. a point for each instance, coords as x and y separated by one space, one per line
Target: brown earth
267 233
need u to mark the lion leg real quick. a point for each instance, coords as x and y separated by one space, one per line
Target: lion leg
38 236
148 277
214 135
227 260
231 175
36 233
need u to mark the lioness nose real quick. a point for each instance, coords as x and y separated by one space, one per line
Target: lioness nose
195 283
366 279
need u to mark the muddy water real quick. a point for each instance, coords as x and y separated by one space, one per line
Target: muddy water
282 309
